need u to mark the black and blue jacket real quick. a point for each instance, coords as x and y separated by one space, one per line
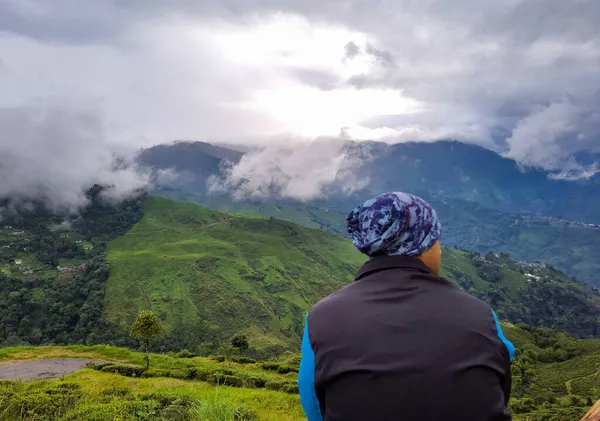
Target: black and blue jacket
401 343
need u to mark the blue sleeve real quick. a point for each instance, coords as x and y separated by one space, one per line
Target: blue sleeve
306 380
509 346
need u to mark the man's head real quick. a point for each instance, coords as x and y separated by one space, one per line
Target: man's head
397 224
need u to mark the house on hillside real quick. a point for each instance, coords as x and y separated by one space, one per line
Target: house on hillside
67 269
18 262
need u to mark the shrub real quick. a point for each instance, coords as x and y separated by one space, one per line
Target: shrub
284 369
257 382
243 360
269 365
124 370
283 386
165 400
231 381
522 406
219 358
204 375
290 387
97 366
93 412
280 368
176 413
35 404
116 391
142 410
185 354
217 408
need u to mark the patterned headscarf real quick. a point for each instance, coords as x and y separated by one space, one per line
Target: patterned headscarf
394 224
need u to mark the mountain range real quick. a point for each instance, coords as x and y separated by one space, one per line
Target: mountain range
209 275
486 202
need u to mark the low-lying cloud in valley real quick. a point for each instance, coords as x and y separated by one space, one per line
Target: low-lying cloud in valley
54 153
302 171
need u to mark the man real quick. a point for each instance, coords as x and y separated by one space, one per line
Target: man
401 343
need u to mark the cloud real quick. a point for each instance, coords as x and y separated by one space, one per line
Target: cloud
481 71
54 153
548 137
351 50
303 171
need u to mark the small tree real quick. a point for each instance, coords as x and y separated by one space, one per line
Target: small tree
227 351
146 328
240 342
205 348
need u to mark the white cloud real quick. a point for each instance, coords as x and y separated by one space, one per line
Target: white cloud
55 153
479 71
302 171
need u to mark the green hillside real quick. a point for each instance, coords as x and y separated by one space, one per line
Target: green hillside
209 275
572 247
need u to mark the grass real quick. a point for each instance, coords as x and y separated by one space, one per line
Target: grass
93 396
209 275
214 274
559 391
105 396
467 225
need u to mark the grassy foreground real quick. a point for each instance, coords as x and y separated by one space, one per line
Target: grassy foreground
105 396
555 378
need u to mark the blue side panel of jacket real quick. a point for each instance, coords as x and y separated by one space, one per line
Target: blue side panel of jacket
509 345
306 380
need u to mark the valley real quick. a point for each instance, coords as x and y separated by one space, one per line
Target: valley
212 268
485 202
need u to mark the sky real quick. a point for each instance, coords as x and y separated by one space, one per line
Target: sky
521 77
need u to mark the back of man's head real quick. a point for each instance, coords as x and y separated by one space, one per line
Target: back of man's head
397 224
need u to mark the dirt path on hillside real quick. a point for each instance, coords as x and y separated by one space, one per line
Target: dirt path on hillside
42 369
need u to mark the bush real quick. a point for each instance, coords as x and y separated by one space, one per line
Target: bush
40 404
257 382
243 360
217 408
231 381
116 391
204 375
97 366
290 387
176 413
219 358
280 368
283 386
165 400
522 406
185 354
124 370
93 412
142 410
284 369
270 366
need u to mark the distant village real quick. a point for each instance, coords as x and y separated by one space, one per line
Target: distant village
27 270
567 222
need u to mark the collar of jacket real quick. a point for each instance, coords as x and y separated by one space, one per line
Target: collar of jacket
380 263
